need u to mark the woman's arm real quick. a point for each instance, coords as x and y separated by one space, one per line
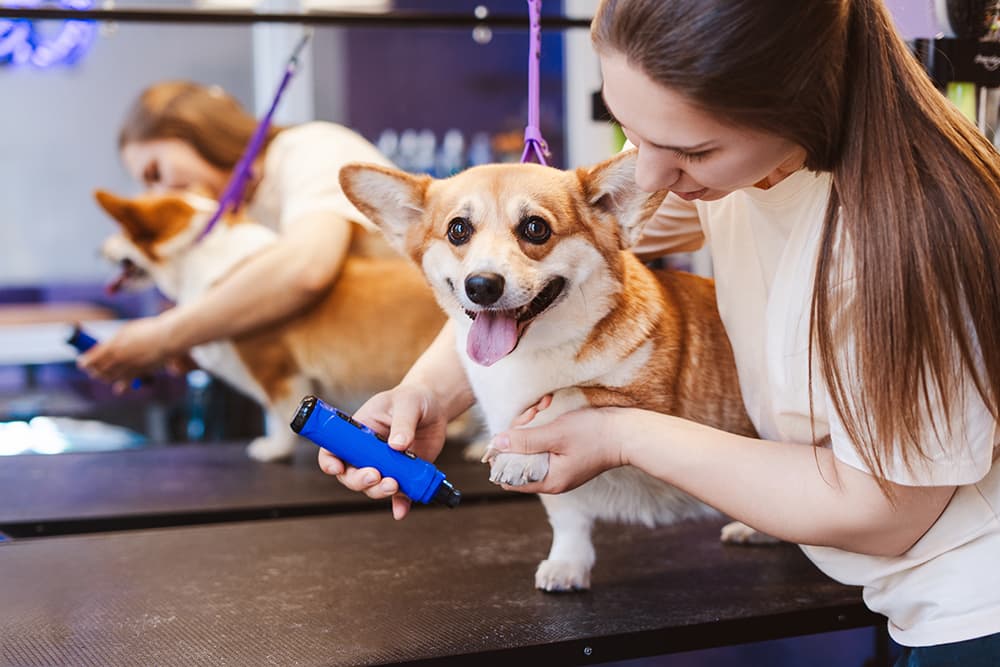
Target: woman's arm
281 280
440 371
794 492
414 415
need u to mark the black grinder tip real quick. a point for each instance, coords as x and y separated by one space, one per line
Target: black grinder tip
305 409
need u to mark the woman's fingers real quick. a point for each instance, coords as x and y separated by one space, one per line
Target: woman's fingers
408 409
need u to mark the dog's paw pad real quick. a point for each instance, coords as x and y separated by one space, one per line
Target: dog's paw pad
270 449
517 469
740 533
562 576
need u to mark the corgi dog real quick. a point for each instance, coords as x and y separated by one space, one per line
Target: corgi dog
531 265
359 339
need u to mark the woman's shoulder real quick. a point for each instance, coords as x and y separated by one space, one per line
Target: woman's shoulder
323 132
323 138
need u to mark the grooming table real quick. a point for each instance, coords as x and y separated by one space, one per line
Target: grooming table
186 484
443 587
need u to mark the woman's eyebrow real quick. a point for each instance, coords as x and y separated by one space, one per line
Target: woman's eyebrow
681 149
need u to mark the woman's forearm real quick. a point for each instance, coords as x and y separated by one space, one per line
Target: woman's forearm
439 370
795 492
269 287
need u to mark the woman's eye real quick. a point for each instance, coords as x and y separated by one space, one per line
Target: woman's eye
692 157
534 230
459 231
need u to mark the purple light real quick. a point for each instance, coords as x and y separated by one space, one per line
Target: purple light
22 42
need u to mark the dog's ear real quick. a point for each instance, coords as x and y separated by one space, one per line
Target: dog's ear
145 220
610 186
390 198
124 211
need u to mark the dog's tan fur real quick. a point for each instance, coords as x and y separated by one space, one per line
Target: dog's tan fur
359 339
618 333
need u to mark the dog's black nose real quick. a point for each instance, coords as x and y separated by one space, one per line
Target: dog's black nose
484 288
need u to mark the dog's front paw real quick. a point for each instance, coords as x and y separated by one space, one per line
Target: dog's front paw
270 449
740 533
562 576
517 469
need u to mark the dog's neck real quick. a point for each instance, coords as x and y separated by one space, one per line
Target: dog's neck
637 306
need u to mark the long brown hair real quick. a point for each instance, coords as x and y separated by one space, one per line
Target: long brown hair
915 197
210 120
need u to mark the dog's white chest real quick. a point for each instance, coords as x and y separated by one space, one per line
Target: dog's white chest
517 381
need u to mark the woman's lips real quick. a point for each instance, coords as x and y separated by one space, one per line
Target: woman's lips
691 196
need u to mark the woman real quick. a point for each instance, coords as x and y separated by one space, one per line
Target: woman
852 215
181 135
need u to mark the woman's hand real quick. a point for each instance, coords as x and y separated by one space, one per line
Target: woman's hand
412 418
581 444
136 349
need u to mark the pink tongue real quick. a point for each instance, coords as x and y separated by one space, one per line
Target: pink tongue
492 337
117 283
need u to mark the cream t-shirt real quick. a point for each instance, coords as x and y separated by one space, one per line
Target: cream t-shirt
764 245
300 174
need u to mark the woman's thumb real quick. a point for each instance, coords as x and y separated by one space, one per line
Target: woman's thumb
523 440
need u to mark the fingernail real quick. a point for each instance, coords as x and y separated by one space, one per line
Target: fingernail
387 486
369 478
501 442
397 439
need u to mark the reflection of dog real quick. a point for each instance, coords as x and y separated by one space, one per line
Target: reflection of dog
359 339
529 263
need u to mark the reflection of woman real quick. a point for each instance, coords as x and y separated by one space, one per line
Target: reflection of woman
183 135
854 221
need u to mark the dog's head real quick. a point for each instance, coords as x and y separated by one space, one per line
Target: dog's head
514 246
155 229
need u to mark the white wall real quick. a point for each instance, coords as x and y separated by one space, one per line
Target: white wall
58 133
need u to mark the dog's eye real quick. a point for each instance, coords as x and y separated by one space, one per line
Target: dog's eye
534 230
459 231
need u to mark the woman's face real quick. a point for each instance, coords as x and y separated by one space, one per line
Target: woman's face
172 164
683 149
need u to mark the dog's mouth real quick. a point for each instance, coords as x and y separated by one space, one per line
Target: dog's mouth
128 272
495 333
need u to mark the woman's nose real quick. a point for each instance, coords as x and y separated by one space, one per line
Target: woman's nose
655 170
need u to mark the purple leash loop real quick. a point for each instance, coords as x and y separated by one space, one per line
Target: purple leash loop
533 141
232 196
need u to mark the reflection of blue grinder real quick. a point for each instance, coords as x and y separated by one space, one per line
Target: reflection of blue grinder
360 446
83 341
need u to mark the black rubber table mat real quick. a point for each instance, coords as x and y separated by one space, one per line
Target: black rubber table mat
169 485
451 587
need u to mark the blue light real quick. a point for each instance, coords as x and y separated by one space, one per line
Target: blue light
22 42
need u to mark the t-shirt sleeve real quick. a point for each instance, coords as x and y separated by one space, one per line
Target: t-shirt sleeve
958 452
306 163
674 227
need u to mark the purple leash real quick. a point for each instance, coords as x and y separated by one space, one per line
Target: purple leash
232 196
533 141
